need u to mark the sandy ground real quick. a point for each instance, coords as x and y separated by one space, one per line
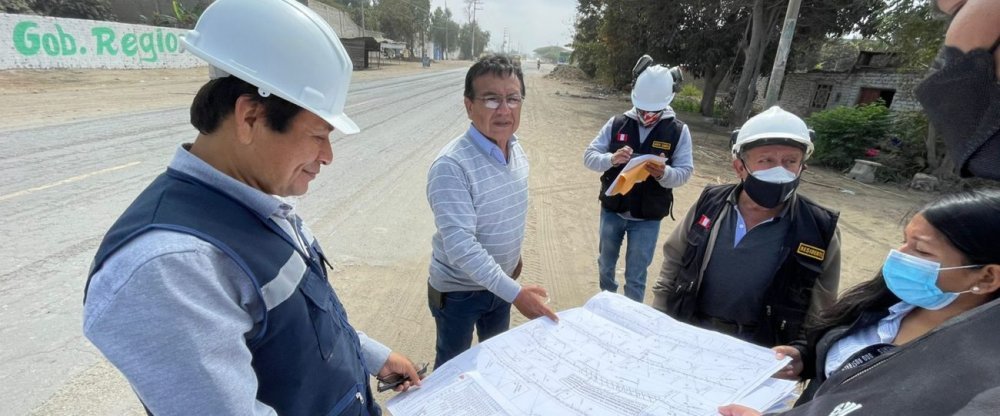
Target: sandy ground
386 298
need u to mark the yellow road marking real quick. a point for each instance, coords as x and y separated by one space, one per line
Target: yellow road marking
66 181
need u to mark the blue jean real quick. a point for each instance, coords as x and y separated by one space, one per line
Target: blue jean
459 314
642 236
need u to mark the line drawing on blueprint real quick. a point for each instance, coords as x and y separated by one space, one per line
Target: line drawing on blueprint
614 356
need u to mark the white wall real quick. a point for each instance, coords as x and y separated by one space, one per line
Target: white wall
39 42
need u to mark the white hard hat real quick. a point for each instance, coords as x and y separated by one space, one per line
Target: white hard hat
654 89
773 126
281 47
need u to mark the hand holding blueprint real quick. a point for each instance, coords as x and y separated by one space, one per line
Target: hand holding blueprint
633 173
613 356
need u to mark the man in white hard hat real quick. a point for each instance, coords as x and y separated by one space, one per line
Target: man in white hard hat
650 127
755 259
477 188
209 293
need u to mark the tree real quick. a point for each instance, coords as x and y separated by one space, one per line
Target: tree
916 34
588 51
711 53
817 19
709 37
403 19
764 18
444 31
913 31
465 40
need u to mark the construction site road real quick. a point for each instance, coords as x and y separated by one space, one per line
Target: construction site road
78 146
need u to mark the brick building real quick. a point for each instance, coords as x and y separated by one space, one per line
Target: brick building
874 75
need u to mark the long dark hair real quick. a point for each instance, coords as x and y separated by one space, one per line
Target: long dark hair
971 222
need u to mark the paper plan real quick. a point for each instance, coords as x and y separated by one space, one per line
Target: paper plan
633 173
611 357
456 394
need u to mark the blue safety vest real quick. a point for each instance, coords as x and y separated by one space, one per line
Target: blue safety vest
306 355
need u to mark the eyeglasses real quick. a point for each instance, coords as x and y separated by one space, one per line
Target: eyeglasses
492 102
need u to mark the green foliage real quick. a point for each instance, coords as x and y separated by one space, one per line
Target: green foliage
686 104
904 150
913 30
690 91
706 36
16 6
465 39
444 31
845 133
76 9
403 19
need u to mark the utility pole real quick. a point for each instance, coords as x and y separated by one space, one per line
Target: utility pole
781 58
364 32
504 43
445 52
473 6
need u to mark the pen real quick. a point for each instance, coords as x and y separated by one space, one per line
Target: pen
394 380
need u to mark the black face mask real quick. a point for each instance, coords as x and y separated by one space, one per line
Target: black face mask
961 97
768 194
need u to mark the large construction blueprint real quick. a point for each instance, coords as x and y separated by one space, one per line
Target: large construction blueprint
613 356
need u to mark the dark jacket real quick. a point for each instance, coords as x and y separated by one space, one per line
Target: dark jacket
961 97
306 356
951 370
805 282
648 199
814 355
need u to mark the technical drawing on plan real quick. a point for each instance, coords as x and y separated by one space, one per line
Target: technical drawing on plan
611 357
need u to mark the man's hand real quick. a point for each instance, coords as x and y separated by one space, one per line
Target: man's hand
794 368
655 169
531 303
621 156
398 364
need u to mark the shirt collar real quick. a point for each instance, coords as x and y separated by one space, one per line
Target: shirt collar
488 145
262 203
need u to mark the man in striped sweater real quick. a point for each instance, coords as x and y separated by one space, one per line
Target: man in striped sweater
477 188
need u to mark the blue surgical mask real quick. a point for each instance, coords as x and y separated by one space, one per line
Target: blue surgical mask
914 280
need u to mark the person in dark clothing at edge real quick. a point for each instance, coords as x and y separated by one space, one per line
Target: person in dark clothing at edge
209 293
754 259
961 95
649 127
920 337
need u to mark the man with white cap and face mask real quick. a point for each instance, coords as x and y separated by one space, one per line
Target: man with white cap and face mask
209 293
649 127
754 259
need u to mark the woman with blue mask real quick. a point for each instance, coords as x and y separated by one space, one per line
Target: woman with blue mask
930 291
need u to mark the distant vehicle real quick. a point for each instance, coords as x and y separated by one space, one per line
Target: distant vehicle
517 59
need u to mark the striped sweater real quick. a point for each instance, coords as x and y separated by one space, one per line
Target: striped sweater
479 208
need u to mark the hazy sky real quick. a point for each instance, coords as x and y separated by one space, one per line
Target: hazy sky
530 23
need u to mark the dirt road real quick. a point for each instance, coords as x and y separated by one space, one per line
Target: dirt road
368 208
